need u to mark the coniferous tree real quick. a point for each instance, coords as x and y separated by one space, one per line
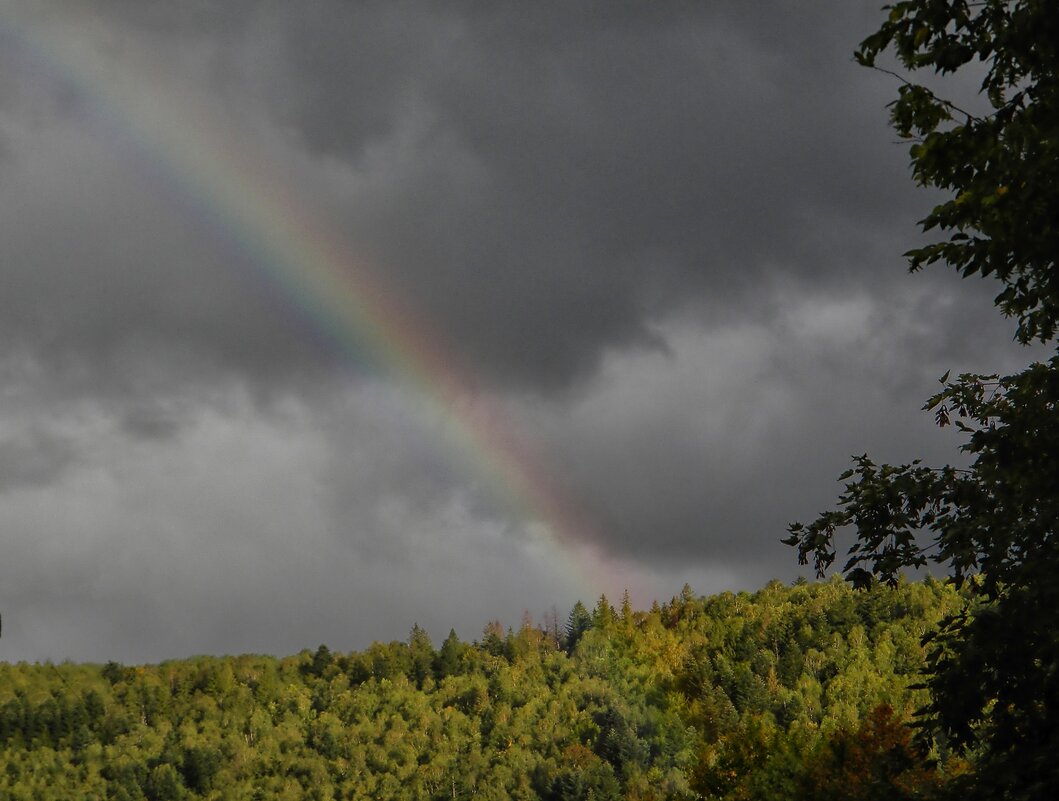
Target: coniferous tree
421 651
577 624
493 641
603 615
447 662
626 611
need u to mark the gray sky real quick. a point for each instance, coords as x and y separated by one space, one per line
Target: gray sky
661 241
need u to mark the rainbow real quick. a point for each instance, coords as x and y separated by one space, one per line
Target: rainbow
207 171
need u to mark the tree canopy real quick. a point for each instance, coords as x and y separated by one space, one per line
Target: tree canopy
784 693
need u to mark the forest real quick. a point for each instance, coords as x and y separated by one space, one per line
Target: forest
802 691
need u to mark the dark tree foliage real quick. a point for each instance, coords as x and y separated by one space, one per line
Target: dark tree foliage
577 624
421 650
994 671
321 661
1002 167
447 661
877 761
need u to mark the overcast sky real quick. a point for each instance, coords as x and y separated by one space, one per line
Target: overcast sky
653 248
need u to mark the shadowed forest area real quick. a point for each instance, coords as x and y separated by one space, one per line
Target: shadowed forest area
789 692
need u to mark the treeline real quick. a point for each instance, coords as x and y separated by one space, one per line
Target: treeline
790 692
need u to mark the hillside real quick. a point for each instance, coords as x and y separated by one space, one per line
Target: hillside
788 692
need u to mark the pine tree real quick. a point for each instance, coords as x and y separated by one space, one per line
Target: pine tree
603 616
421 649
626 612
447 661
577 624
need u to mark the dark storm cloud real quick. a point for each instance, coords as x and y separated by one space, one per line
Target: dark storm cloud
703 454
623 164
549 180
117 292
664 237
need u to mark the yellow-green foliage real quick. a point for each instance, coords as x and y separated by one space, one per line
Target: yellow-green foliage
729 696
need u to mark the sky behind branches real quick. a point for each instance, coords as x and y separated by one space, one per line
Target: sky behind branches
658 244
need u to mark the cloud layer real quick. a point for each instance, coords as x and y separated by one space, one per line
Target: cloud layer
663 241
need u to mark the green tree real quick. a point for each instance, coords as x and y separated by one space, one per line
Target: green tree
493 641
627 619
163 784
447 662
994 670
421 650
199 766
603 615
321 661
577 624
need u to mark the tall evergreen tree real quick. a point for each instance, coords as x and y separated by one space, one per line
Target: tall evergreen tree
421 650
577 624
626 612
447 661
603 615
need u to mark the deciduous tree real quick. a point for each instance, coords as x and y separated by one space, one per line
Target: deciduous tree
994 672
